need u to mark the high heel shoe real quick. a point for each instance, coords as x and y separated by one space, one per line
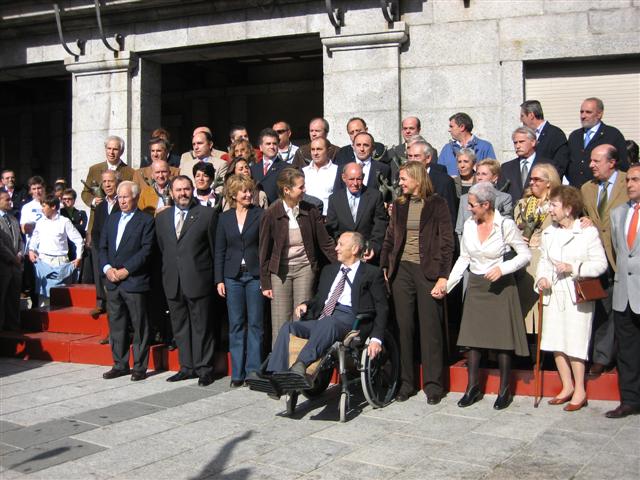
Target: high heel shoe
471 396
560 400
504 400
573 407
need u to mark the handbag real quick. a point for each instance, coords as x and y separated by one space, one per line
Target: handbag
588 289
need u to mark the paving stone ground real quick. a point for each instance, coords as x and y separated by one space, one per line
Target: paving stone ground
63 421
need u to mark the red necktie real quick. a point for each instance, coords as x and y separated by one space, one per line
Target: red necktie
633 227
265 167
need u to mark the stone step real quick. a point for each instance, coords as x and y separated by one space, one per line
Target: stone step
75 295
64 320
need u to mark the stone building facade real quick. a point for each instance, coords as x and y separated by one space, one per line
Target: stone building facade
427 58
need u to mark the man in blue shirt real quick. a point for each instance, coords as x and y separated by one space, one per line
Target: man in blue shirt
460 127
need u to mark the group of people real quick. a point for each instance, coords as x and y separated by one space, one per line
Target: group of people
327 233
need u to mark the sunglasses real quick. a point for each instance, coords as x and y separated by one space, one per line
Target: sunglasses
280 132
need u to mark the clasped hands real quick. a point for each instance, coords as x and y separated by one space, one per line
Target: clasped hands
115 275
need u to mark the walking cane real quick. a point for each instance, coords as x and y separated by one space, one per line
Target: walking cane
537 378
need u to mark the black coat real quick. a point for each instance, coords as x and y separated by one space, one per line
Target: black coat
510 172
552 144
444 186
268 182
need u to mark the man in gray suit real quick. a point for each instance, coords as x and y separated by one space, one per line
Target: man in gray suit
626 302
11 246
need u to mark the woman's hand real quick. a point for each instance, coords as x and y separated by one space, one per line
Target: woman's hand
440 288
562 267
268 293
586 222
494 274
221 290
544 284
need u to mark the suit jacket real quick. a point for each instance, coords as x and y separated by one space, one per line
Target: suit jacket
368 295
552 144
133 252
232 246
219 166
148 201
578 171
627 279
371 217
510 172
444 186
305 151
590 198
100 215
268 182
19 197
436 238
78 218
274 239
11 242
187 262
372 178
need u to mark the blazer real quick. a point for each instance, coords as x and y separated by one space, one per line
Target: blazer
444 186
372 178
552 144
274 237
133 252
148 201
11 242
268 182
590 198
187 262
100 215
503 205
232 246
368 295
626 284
371 217
94 177
510 171
578 171
436 238
19 197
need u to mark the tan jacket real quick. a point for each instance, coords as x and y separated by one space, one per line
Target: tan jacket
94 177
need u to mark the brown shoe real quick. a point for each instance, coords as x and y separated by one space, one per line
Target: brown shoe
573 407
560 400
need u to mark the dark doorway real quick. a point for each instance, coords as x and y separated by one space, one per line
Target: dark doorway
35 127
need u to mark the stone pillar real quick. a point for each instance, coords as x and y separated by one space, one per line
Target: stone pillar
362 77
146 87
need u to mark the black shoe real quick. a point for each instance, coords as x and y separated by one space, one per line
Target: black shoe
434 398
236 383
404 393
206 380
622 410
181 376
503 400
115 373
137 376
470 397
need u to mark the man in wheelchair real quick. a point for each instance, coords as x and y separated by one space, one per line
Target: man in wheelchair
348 290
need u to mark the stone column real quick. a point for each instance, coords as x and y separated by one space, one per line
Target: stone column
362 77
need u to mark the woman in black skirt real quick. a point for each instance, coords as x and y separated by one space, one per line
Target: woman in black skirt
492 317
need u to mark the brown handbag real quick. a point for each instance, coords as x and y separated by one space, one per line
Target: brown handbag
589 289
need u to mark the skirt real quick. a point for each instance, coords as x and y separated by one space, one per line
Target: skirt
492 316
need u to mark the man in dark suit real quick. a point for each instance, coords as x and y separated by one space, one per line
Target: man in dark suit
11 247
18 196
551 142
186 237
266 171
583 140
357 208
363 145
420 150
346 289
517 172
125 248
347 154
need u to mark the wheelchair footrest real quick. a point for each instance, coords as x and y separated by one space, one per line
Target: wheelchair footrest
288 381
264 385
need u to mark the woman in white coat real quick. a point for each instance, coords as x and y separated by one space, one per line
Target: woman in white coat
568 252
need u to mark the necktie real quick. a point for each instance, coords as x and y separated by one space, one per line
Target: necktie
633 227
587 138
354 208
524 173
180 224
265 167
8 222
333 299
602 202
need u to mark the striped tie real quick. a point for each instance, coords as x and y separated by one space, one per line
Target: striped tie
330 306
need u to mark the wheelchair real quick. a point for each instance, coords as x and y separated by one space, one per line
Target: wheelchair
378 377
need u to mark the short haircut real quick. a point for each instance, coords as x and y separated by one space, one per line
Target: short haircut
205 167
415 118
35 180
492 164
462 119
612 153
181 178
161 132
71 192
235 128
570 197
135 189
115 138
350 165
287 179
484 192
357 119
531 135
324 139
286 124
469 153
417 171
159 141
324 123
235 184
533 106
369 135
268 132
114 173
51 201
207 135
5 171
599 103
427 148
632 151
358 240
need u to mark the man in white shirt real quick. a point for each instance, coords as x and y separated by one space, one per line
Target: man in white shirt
320 175
31 212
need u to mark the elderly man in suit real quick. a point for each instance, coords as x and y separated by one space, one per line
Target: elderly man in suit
11 247
551 142
585 139
266 171
125 248
357 208
347 288
602 194
626 302
517 172
186 237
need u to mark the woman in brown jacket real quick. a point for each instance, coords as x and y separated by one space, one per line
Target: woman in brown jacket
416 258
293 241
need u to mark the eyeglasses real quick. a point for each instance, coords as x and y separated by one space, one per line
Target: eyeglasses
537 180
280 132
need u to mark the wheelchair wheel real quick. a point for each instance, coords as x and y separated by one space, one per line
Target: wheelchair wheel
319 385
380 376
292 401
344 406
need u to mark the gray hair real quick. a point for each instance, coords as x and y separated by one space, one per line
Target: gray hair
469 153
115 138
526 131
533 106
484 192
599 103
358 239
135 189
427 148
